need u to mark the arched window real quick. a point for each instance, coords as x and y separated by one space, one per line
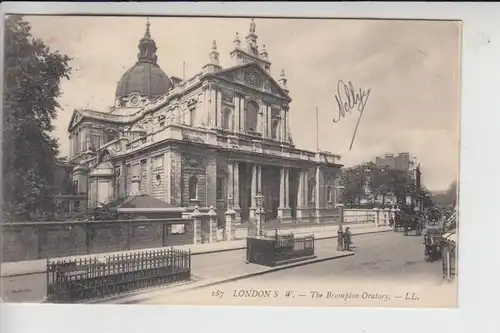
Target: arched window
329 195
274 129
251 113
193 188
227 119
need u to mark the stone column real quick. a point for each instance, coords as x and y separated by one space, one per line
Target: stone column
122 180
259 179
287 187
196 225
282 188
236 191
253 191
300 195
284 209
316 195
230 179
212 216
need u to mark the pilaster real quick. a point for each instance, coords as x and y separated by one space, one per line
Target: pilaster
237 112
219 108
236 191
282 125
269 121
242 114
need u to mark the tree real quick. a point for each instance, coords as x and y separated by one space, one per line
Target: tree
354 180
401 184
33 74
380 182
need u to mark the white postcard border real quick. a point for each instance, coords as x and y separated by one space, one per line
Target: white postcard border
480 179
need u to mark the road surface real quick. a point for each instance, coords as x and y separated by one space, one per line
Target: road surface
388 267
379 257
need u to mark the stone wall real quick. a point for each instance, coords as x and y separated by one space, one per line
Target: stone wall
39 240
353 216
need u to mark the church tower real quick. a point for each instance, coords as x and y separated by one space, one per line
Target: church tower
250 51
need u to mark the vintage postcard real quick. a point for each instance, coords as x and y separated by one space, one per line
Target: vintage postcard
231 161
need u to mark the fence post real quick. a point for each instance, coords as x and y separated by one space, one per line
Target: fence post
212 216
196 215
230 230
386 216
377 220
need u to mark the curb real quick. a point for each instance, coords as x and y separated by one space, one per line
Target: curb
274 269
200 253
226 280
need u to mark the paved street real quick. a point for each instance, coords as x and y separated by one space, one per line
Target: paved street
32 288
387 262
378 258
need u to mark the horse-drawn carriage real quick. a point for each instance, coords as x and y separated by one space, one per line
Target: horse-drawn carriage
433 241
408 221
413 227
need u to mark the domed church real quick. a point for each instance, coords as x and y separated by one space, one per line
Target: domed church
220 138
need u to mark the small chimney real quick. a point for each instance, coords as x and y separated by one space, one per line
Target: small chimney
135 186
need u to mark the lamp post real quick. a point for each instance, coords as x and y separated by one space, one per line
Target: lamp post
259 200
340 203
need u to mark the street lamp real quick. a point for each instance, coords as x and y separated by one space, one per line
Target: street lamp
340 203
259 198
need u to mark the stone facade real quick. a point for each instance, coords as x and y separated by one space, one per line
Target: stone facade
216 139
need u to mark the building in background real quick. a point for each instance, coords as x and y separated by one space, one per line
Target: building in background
65 199
401 162
215 139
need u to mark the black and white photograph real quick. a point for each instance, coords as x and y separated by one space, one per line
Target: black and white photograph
249 161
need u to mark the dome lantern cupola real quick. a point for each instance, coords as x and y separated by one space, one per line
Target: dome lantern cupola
145 81
147 47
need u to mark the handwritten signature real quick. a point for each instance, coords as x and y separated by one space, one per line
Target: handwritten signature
347 100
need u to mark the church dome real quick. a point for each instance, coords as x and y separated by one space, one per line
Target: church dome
145 78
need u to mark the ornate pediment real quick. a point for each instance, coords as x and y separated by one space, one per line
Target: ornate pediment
255 77
75 118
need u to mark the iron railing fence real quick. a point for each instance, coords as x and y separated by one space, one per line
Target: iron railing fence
279 249
81 280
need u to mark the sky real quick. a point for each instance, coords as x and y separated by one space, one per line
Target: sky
411 68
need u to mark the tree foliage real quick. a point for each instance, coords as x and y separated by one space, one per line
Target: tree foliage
367 181
32 78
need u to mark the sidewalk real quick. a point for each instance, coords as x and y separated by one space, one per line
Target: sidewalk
20 268
219 268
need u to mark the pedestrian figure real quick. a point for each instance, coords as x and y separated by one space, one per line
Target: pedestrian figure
347 239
